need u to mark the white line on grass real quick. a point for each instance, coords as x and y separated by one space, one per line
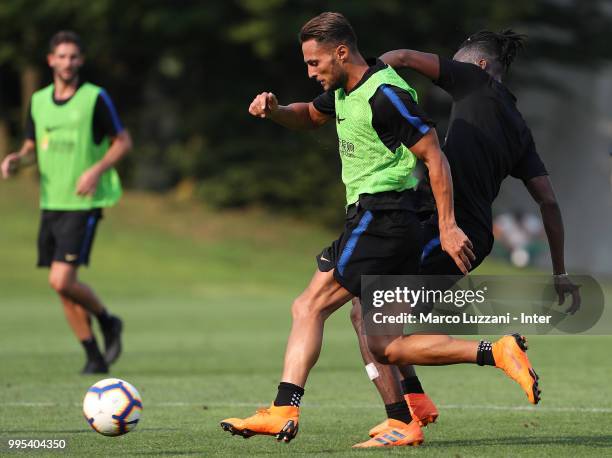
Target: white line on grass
334 406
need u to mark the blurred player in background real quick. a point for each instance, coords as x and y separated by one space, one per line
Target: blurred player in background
487 141
75 133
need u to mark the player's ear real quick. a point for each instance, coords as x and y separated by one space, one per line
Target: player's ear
342 53
482 63
50 59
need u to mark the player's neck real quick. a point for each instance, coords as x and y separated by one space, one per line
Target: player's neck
356 68
64 89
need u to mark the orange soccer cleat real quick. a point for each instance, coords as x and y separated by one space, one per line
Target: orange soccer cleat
422 410
509 355
278 421
394 433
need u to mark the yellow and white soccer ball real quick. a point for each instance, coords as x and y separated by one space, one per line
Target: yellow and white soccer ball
112 407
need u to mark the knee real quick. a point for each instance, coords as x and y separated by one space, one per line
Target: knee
300 308
60 284
378 346
384 350
308 308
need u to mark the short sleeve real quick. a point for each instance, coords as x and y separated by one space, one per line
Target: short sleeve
106 122
460 78
325 103
30 130
530 164
397 118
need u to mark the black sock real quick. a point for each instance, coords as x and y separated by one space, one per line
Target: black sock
289 395
412 385
104 319
91 349
398 411
484 355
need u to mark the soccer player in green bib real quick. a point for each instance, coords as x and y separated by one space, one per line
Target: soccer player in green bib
77 137
381 132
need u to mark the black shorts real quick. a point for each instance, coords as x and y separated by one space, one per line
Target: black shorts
434 261
374 242
67 236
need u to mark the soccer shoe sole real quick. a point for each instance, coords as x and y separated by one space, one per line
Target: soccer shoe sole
521 341
411 444
288 432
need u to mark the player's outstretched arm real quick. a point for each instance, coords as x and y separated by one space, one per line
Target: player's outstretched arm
542 192
11 162
298 116
425 63
452 239
121 144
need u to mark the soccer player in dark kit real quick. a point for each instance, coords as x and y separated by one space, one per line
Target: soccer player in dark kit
487 141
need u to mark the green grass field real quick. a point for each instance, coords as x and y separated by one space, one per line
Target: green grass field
205 299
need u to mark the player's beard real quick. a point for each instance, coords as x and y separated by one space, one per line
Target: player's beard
74 76
339 81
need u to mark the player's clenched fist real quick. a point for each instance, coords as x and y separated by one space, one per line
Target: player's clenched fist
264 105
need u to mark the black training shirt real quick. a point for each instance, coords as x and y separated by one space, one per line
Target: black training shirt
105 123
487 140
396 117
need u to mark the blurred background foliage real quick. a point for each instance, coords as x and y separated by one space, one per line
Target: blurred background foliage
183 73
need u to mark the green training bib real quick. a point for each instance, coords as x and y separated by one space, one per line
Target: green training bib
65 148
368 166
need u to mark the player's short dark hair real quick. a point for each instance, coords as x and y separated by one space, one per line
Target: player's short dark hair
65 36
499 46
330 28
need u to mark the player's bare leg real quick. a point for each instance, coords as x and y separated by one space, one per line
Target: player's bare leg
508 354
79 321
402 404
394 383
63 278
385 377
321 298
422 350
77 317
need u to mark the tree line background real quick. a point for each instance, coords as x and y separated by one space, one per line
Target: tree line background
183 73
